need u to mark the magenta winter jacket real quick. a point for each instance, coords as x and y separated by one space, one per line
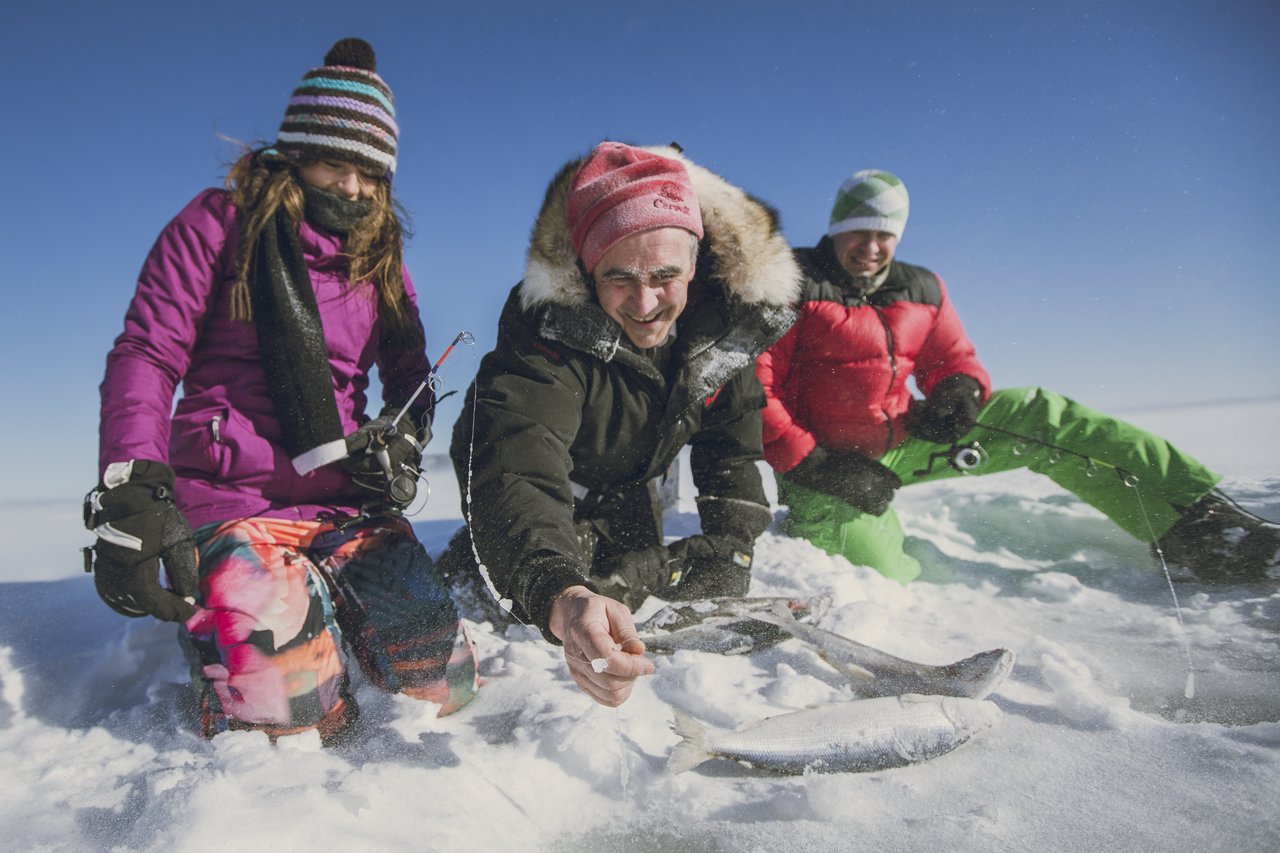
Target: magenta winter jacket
223 437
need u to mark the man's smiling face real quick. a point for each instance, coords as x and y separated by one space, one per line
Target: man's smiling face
643 282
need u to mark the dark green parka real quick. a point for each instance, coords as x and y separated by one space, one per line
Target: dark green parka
565 404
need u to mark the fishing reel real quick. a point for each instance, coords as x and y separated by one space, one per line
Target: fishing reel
964 458
396 449
401 487
401 474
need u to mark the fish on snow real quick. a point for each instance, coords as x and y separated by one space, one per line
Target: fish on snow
684 614
723 625
861 735
875 673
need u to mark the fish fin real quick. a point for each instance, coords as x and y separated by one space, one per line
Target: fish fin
779 615
851 671
782 617
691 750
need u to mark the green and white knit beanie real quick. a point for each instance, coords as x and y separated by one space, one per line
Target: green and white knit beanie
343 110
870 200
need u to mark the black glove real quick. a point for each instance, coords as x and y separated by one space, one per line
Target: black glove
633 576
857 480
949 412
385 461
714 566
718 563
691 568
137 525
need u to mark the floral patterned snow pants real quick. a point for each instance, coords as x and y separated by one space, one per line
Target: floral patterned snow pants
277 599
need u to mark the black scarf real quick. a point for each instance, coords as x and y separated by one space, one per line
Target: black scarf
290 336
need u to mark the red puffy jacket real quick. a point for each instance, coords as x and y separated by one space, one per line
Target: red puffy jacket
838 378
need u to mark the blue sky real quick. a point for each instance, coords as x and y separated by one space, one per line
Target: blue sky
1096 181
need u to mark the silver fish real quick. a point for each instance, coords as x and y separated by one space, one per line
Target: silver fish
865 734
723 625
732 637
877 673
684 614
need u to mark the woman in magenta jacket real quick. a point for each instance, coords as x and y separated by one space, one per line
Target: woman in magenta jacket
272 498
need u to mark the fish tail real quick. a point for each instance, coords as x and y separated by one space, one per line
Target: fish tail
691 750
977 676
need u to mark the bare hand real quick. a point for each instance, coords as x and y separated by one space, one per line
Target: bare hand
596 628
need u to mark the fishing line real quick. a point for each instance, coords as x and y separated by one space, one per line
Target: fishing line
624 769
510 799
1189 689
506 603
964 464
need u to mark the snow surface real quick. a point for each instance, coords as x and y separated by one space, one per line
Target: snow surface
1098 748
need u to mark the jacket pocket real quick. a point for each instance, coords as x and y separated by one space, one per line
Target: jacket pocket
196 445
246 459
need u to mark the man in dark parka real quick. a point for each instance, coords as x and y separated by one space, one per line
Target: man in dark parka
650 287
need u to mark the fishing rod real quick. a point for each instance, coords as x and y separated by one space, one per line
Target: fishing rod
431 380
968 456
402 486
964 458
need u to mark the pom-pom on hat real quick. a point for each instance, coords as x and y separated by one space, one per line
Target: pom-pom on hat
621 190
343 110
870 200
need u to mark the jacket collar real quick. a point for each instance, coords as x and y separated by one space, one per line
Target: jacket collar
824 255
741 300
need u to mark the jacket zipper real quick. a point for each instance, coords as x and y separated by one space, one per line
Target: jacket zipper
215 426
893 374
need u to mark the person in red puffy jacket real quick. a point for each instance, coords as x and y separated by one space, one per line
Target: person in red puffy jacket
842 430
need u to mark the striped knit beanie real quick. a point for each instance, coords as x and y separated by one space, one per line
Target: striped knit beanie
870 200
343 110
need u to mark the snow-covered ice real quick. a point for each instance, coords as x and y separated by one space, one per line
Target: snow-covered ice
1098 747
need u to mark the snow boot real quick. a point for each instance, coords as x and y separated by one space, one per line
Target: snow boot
1218 541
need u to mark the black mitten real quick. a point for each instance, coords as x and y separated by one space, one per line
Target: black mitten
687 569
384 460
713 566
857 480
718 563
137 525
949 412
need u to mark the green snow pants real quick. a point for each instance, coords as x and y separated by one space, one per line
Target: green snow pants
1138 480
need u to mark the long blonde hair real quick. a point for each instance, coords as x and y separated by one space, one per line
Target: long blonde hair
374 248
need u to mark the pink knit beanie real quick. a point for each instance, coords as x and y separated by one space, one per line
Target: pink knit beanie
619 191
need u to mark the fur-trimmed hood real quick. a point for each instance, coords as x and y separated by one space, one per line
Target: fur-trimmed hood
749 255
745 266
